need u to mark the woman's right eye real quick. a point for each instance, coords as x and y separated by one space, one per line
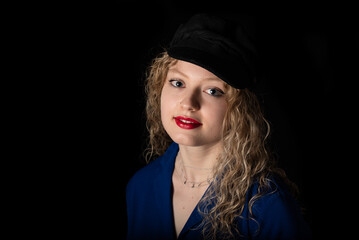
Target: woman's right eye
176 83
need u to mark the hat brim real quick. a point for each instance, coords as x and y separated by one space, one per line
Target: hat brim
229 70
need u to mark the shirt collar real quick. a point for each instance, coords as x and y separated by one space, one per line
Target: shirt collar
165 180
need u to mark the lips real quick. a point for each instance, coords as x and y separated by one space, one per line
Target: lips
187 123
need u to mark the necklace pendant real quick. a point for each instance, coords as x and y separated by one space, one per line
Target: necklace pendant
192 185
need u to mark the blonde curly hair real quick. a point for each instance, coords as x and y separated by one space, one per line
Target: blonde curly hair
244 158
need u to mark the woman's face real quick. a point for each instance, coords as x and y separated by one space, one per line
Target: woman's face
193 105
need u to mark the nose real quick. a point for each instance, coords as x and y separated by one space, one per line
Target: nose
191 101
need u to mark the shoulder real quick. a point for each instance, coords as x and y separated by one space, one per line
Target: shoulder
145 174
148 198
274 198
276 191
153 172
277 213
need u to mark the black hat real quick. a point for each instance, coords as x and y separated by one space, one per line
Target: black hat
218 45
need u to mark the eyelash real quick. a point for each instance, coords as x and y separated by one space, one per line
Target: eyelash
173 82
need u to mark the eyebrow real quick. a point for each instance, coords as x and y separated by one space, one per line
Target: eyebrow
178 71
185 76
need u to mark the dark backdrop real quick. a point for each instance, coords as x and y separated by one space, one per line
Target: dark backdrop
310 62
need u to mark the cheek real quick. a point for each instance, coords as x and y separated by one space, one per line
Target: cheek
216 114
163 110
166 105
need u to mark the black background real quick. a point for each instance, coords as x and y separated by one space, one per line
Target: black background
310 60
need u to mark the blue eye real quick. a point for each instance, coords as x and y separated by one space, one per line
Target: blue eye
214 92
176 83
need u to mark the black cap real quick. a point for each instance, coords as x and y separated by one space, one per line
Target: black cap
218 45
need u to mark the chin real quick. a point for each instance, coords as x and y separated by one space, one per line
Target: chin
186 140
194 141
191 138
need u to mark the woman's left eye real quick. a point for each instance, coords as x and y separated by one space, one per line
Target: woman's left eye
214 92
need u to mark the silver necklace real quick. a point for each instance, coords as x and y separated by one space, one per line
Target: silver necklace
193 184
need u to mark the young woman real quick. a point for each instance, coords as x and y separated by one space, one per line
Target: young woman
214 177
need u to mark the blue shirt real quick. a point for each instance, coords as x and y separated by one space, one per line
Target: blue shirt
150 212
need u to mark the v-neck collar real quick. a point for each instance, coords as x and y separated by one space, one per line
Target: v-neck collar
195 217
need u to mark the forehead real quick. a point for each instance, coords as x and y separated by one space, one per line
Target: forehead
192 71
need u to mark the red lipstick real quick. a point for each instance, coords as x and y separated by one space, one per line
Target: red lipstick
187 123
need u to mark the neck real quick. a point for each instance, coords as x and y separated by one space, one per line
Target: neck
198 162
